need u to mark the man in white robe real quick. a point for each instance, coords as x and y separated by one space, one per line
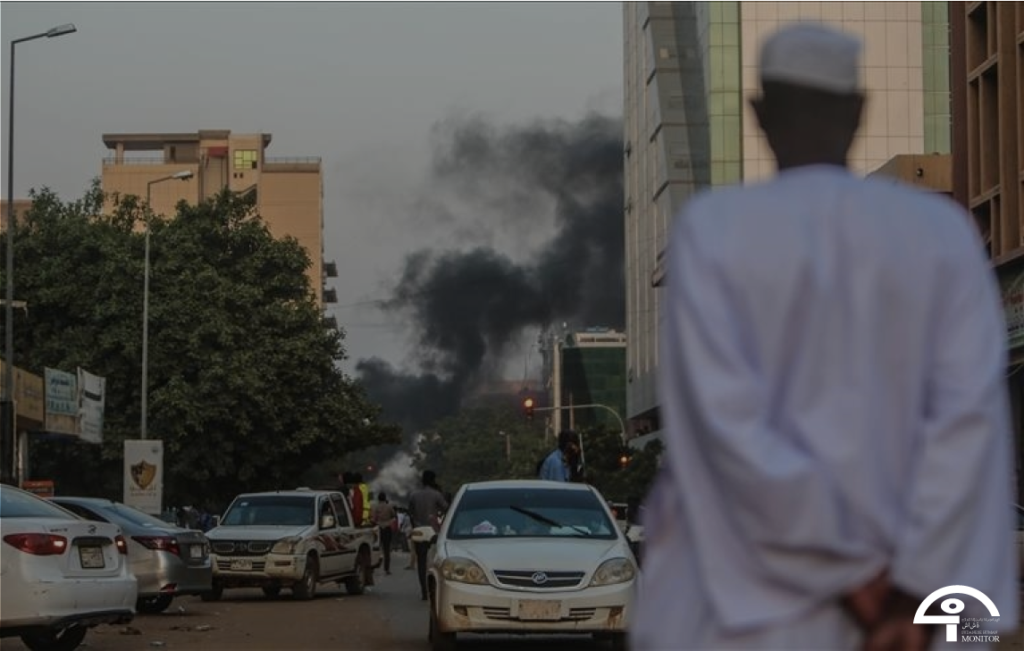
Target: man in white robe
832 388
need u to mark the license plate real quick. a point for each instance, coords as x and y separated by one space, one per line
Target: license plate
540 610
241 565
91 557
196 552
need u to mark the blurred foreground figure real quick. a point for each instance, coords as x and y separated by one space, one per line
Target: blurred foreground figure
838 444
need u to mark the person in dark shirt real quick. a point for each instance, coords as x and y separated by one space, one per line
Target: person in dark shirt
426 505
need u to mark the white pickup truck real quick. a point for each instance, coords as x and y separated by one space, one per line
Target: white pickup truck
291 539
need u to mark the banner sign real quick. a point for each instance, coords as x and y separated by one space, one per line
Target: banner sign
61 402
92 390
144 475
1012 286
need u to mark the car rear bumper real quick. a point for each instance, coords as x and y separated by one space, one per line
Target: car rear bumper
59 605
486 609
185 580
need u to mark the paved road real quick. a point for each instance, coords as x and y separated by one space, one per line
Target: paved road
390 617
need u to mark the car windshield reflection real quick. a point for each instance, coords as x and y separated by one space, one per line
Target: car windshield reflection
270 510
534 513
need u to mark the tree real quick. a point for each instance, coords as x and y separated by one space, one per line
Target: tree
244 387
472 446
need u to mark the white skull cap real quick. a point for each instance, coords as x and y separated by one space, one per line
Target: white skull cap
812 55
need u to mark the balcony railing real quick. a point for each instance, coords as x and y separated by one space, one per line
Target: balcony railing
145 160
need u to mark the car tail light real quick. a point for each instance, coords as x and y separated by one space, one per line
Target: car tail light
121 543
162 543
38 544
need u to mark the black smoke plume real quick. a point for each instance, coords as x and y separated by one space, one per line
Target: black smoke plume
467 306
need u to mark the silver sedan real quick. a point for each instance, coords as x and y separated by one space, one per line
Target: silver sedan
168 561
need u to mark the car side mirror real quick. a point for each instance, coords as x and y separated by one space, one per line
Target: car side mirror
327 522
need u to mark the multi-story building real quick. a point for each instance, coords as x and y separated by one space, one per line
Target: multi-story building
289 191
585 375
690 68
987 65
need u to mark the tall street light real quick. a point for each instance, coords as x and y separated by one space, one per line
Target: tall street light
7 417
178 176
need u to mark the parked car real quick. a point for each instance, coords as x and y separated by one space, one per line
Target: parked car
168 561
295 539
61 574
529 556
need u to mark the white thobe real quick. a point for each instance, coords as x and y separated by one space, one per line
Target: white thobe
832 389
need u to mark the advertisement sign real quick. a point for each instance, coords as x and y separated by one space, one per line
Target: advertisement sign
61 402
144 475
92 390
28 393
1012 286
40 487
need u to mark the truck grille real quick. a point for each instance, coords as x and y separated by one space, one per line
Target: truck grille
241 547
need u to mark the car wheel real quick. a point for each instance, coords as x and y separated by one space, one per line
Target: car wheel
439 641
271 591
305 589
215 593
153 605
356 584
62 640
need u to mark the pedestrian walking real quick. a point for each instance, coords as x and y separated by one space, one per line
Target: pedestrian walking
426 505
383 516
832 384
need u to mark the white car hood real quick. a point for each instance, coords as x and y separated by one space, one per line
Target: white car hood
567 554
267 532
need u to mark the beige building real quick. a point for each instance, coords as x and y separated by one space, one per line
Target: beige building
289 191
690 69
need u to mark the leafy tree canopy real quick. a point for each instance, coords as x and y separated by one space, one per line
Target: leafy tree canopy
471 446
244 389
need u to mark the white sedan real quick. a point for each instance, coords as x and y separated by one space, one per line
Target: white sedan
60 574
529 556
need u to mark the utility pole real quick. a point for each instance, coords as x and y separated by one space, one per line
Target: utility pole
556 384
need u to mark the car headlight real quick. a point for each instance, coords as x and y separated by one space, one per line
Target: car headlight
463 570
612 571
286 545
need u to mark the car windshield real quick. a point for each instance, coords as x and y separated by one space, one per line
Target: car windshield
530 513
284 510
126 513
18 504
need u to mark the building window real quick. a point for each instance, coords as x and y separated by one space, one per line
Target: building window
245 159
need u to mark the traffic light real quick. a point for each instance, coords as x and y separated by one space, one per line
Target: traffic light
624 459
528 408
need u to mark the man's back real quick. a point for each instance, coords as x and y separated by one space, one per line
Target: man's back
831 385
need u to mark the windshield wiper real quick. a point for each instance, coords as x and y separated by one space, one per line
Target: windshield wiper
548 521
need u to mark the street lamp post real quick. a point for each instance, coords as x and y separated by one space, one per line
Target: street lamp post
7 416
180 176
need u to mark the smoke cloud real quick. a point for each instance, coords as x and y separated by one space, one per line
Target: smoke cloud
466 307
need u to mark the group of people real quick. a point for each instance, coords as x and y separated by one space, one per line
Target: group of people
427 505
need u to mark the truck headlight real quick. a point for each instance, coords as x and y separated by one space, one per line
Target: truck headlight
286 545
463 570
614 570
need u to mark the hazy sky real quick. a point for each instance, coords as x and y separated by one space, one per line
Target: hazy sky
360 85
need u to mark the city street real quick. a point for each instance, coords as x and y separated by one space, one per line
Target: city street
390 617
